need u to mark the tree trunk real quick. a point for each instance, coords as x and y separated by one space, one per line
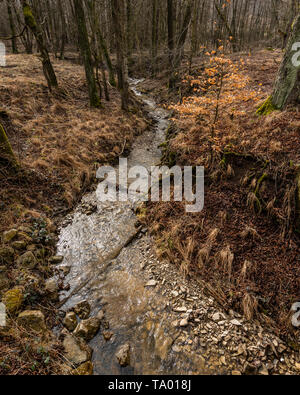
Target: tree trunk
118 17
12 28
154 38
171 43
38 34
86 53
287 85
6 151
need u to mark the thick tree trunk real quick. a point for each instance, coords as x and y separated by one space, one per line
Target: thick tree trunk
38 34
287 85
86 53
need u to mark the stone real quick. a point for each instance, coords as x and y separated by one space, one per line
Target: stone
184 322
86 369
123 355
24 236
25 229
107 335
70 321
176 348
19 245
151 283
88 329
216 317
9 235
250 369
4 280
236 322
55 260
263 371
51 286
76 351
32 320
27 260
100 315
297 366
13 300
65 270
82 309
236 373
182 309
6 255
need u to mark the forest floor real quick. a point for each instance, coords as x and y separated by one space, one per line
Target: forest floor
244 243
60 142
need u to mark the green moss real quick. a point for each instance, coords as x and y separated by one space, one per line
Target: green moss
267 108
28 16
6 148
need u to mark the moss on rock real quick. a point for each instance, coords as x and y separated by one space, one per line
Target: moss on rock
13 300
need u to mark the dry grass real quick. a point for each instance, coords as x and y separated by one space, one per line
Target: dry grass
57 137
60 142
249 197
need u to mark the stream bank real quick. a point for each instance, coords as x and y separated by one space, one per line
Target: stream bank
167 323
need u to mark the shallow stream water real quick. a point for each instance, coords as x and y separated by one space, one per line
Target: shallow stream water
108 255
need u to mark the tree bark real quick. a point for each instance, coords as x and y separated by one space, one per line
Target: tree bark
48 70
85 50
12 28
118 18
171 43
6 151
287 84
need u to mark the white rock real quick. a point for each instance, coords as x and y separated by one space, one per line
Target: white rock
184 322
236 322
151 283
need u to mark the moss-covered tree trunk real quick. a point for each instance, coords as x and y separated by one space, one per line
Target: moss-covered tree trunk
30 21
12 28
84 45
287 85
6 151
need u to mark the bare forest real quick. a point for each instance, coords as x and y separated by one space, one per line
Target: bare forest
149 187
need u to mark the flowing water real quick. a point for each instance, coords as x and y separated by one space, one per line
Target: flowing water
107 255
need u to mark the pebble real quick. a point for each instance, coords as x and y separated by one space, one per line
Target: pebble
151 283
184 322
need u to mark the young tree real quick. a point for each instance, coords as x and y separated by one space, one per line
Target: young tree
32 24
86 54
287 84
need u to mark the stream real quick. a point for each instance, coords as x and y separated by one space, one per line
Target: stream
110 264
